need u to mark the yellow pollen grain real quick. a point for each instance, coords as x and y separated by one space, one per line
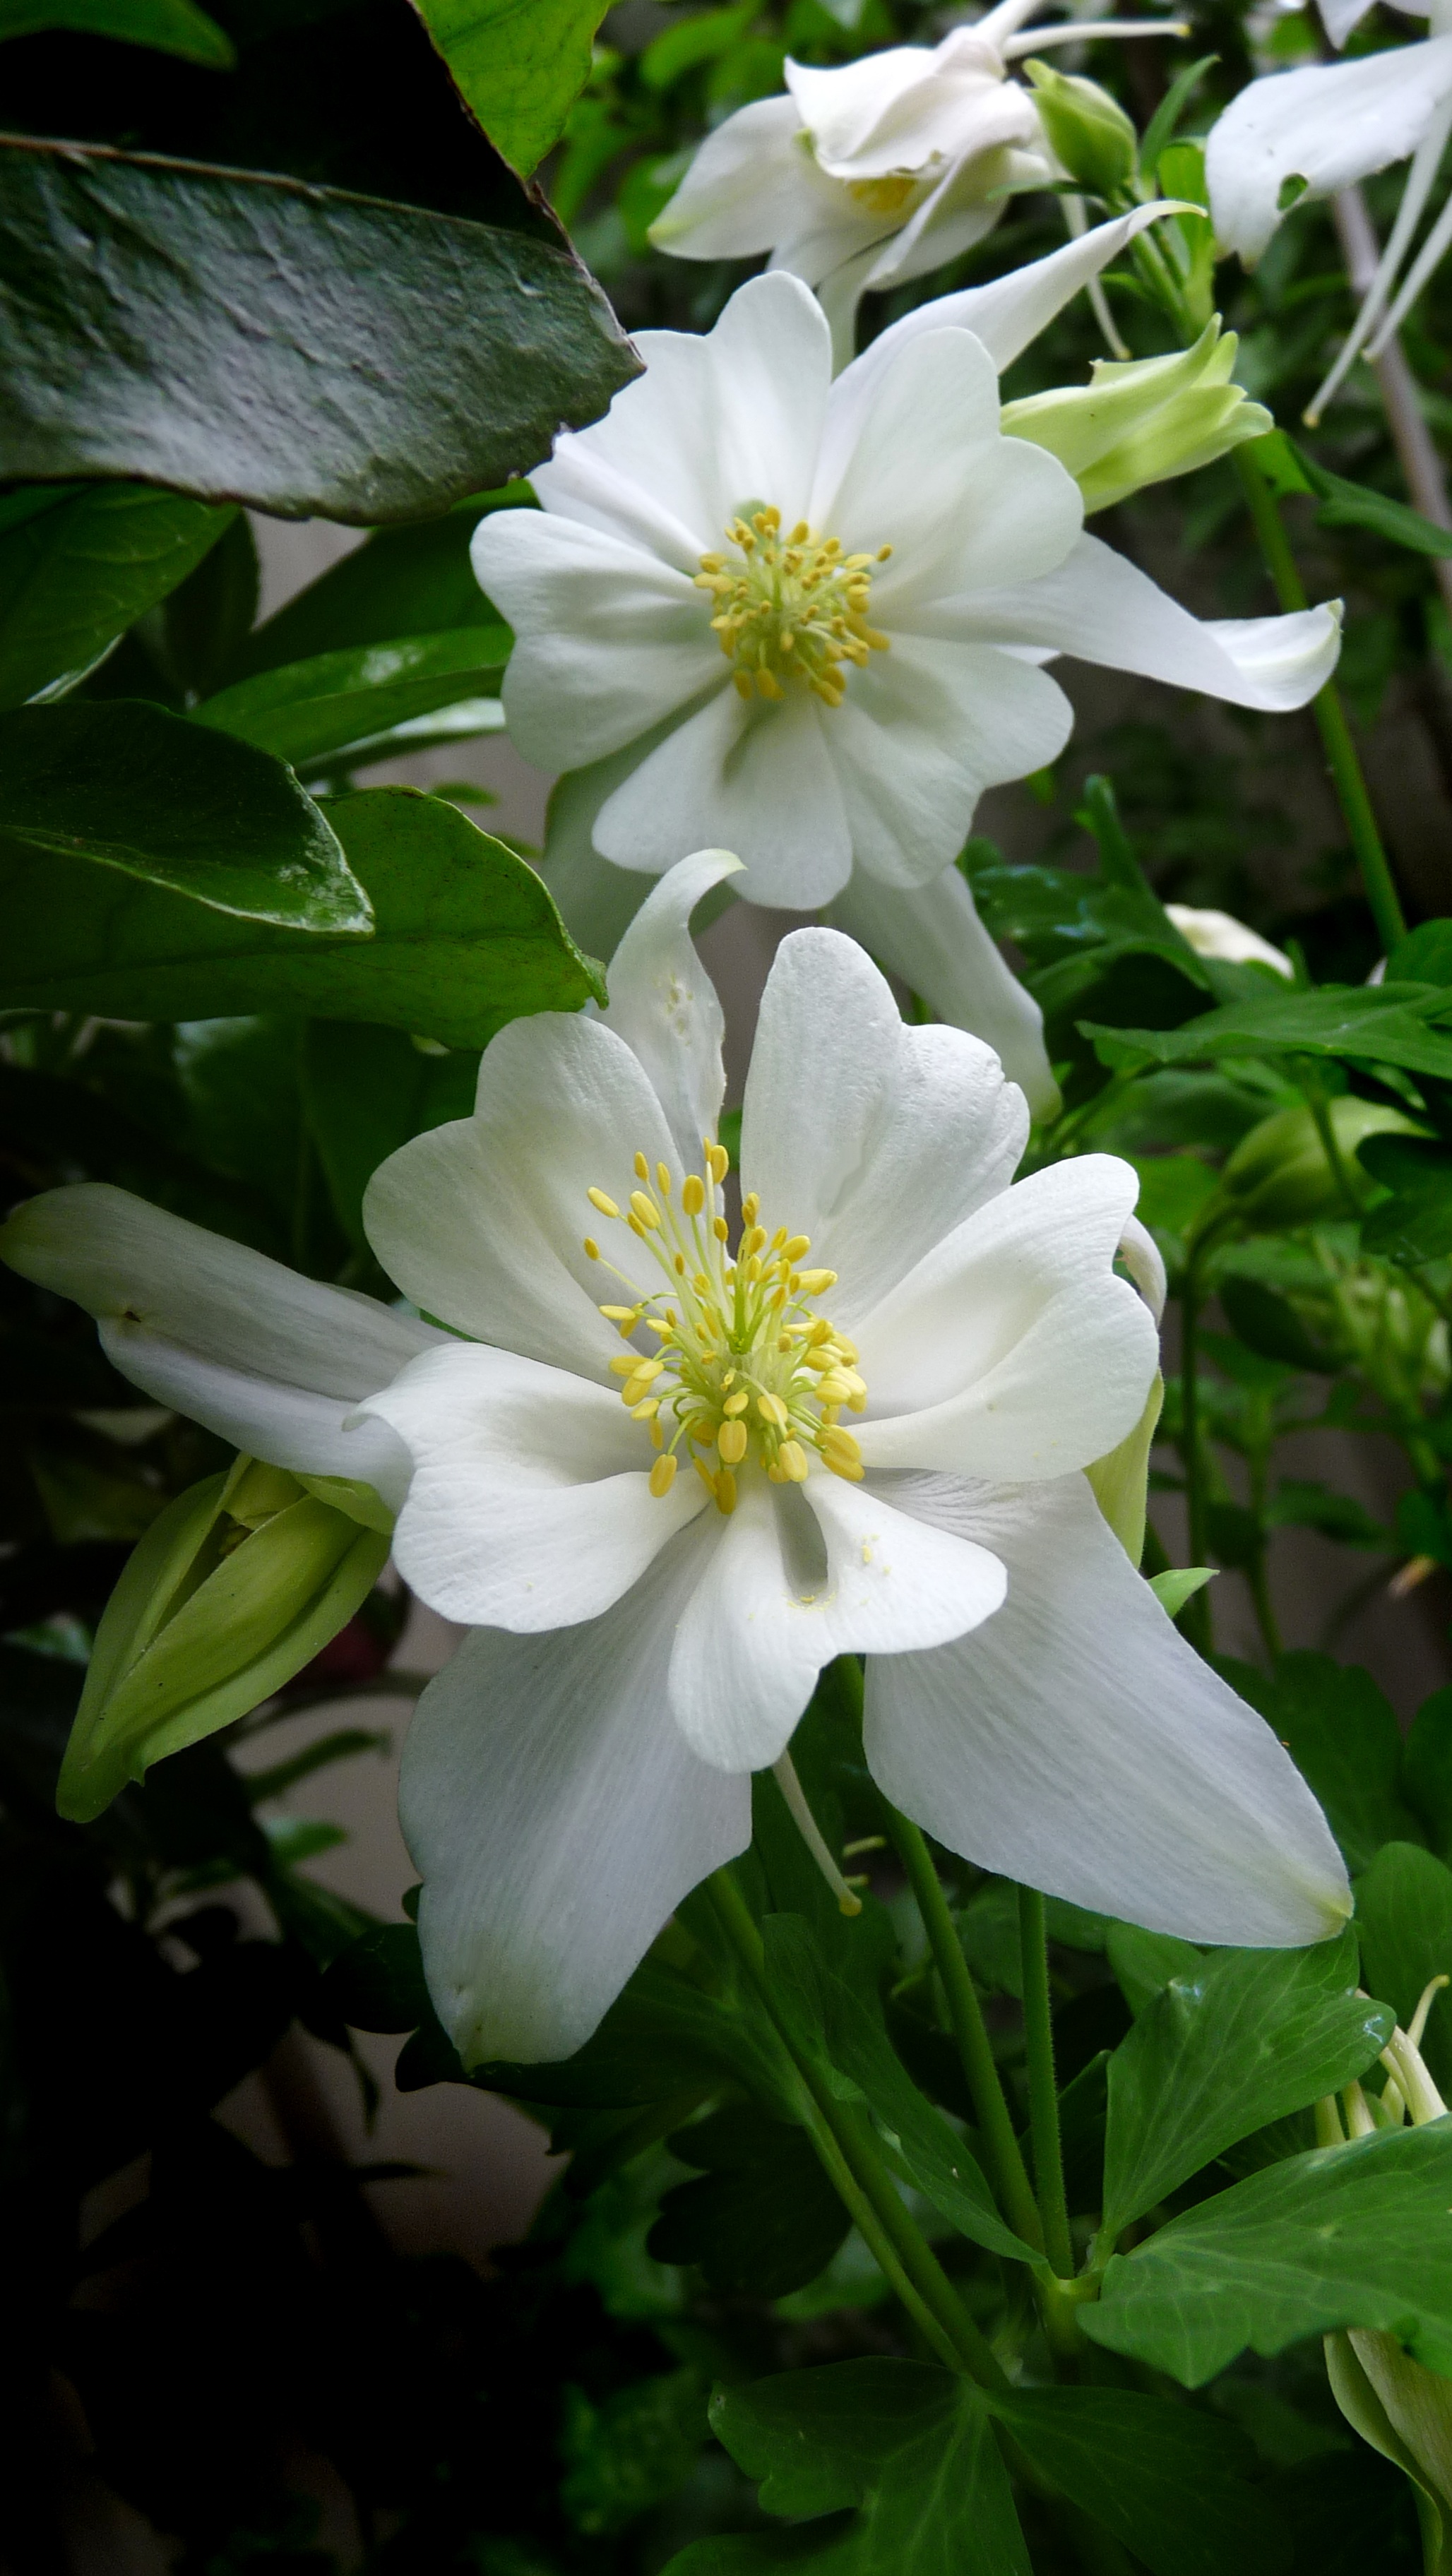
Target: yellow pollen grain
598 1199
663 1475
693 1196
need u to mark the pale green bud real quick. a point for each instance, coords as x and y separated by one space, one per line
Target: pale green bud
242 1580
1141 420
1120 1479
1404 2411
1086 130
1279 1174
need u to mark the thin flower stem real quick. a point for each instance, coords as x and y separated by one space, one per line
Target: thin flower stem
1195 1617
1341 754
1001 2147
1038 2029
896 2240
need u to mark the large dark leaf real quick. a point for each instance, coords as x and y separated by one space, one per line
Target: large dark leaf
1371 1024
416 580
243 337
111 812
307 710
466 935
78 567
172 26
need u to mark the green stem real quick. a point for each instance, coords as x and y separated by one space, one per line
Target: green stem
897 2242
1341 755
1001 2148
1038 2031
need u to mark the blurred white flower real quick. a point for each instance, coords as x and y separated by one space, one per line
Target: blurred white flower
807 620
877 171
1219 934
1326 126
665 1482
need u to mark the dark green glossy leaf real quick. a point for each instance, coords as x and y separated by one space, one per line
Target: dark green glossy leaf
466 935
909 2449
1404 1916
117 811
244 337
1344 504
519 64
1269 1324
367 1090
1144 1962
1424 956
206 620
168 26
1170 2483
763 2220
402 581
1415 1224
73 577
1427 1768
1343 1736
1371 1024
1247 2037
307 709
1346 2236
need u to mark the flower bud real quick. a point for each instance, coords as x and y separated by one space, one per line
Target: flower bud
1141 420
1279 1174
1220 935
1120 1480
1086 129
242 1580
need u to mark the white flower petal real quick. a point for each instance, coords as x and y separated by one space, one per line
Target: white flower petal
1075 1742
931 935
530 1505
665 1006
906 108
1012 1350
756 779
557 1816
801 1575
922 732
483 1222
289 1426
930 474
916 1127
745 188
1102 608
608 638
1329 124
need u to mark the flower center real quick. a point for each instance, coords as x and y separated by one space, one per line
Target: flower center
790 608
888 196
741 1366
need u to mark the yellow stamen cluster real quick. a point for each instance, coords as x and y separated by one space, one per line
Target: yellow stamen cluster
790 608
741 1370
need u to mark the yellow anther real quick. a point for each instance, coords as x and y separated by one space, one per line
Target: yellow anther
834 1388
815 1283
665 1328
718 1161
620 1314
625 1364
592 1248
693 1196
678 1264
840 1450
768 686
643 1372
642 1167
720 1228
663 1179
792 1459
725 1491
663 1475
644 1207
730 1378
736 1403
645 1412
753 1240
731 1441
656 1433
740 679
598 1199
772 1409
707 1479
794 1246
749 1207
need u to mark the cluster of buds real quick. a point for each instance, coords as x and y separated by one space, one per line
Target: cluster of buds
1142 420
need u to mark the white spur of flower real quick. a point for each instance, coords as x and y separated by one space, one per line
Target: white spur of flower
808 620
888 1389
1323 127
874 172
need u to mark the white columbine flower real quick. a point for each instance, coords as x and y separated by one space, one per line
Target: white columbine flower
664 1480
808 621
1219 934
1327 126
879 170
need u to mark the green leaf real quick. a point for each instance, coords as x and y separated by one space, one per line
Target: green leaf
73 577
1242 2040
116 811
168 26
519 65
1372 1024
307 709
1268 1324
828 2016
1342 1734
1144 1962
1427 1768
630 2452
909 2449
1346 2236
1415 1224
1424 956
466 935
1171 2483
246 337
367 1091
414 580
1299 1503
1404 1916
763 2220
1344 504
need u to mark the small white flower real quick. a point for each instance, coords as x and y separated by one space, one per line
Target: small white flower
1219 934
879 170
808 620
664 1481
1327 126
